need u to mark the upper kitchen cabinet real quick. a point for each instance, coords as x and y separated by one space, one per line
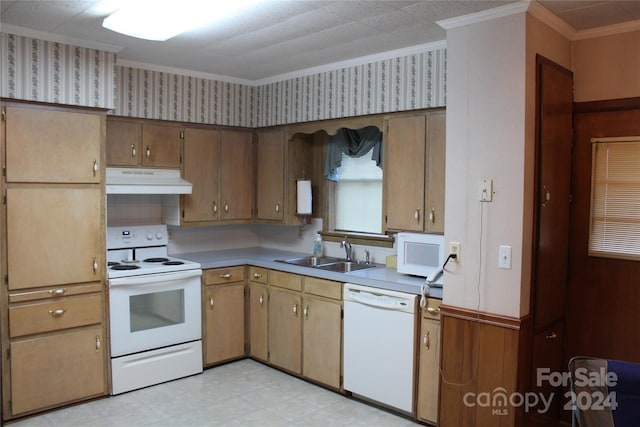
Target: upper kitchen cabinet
414 165
220 166
52 145
270 175
135 142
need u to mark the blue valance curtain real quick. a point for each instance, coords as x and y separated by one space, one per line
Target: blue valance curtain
353 143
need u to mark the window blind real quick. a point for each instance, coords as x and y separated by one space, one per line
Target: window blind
615 198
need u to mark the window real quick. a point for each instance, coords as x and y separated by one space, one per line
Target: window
615 198
358 195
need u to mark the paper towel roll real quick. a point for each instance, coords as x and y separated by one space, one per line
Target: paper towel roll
304 197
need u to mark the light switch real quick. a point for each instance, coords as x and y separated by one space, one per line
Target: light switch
504 257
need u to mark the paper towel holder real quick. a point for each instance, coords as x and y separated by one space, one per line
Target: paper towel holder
303 197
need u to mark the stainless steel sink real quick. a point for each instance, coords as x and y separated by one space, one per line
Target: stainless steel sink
311 261
344 266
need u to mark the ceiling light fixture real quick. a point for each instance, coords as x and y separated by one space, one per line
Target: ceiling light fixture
160 20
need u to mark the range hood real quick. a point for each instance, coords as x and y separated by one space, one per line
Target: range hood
145 181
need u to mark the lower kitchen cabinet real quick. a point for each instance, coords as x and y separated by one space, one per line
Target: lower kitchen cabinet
56 369
223 313
258 313
322 336
285 330
429 362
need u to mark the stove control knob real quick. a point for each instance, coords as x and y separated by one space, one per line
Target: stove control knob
149 236
159 235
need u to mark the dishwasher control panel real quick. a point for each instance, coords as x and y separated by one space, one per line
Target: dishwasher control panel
380 298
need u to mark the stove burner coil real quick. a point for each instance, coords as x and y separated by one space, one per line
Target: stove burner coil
125 267
156 260
173 263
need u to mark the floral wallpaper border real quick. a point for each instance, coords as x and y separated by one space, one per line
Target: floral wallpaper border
38 70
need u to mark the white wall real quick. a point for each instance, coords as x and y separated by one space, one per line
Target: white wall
485 139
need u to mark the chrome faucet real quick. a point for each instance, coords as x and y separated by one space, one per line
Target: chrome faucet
347 247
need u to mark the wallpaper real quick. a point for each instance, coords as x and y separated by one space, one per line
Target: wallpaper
38 70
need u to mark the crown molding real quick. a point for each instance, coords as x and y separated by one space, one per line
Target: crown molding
553 21
485 15
182 72
57 38
609 30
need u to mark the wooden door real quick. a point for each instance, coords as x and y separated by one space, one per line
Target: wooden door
322 341
56 369
285 330
548 346
161 145
404 166
124 139
201 157
552 196
46 145
270 175
224 318
435 173
236 175
429 370
258 318
54 236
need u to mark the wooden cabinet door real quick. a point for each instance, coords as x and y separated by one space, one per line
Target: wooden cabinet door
46 145
429 370
53 236
258 321
285 330
236 175
548 351
404 169
435 173
224 323
322 341
123 143
57 369
201 156
270 179
161 145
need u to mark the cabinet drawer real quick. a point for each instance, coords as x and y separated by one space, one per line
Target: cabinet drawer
50 316
285 280
54 292
323 288
219 276
258 275
432 309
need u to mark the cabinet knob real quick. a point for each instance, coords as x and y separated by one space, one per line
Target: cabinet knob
277 207
434 311
211 302
306 312
133 150
432 215
98 343
57 313
57 292
225 276
295 309
95 265
95 167
426 340
257 275
226 208
261 299
148 151
215 207
416 214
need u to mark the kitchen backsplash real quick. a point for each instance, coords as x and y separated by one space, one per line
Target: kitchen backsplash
38 70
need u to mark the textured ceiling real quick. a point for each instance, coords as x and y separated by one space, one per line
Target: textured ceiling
281 36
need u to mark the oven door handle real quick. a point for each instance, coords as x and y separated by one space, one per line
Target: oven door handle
154 278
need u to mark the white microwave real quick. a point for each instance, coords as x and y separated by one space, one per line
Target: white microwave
420 254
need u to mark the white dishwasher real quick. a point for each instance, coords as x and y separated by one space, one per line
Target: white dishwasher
379 345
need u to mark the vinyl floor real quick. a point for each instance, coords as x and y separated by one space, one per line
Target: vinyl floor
243 393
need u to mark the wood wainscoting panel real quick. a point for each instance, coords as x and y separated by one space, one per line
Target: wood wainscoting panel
482 357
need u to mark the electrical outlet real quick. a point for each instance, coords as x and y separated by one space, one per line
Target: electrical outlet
485 190
454 248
